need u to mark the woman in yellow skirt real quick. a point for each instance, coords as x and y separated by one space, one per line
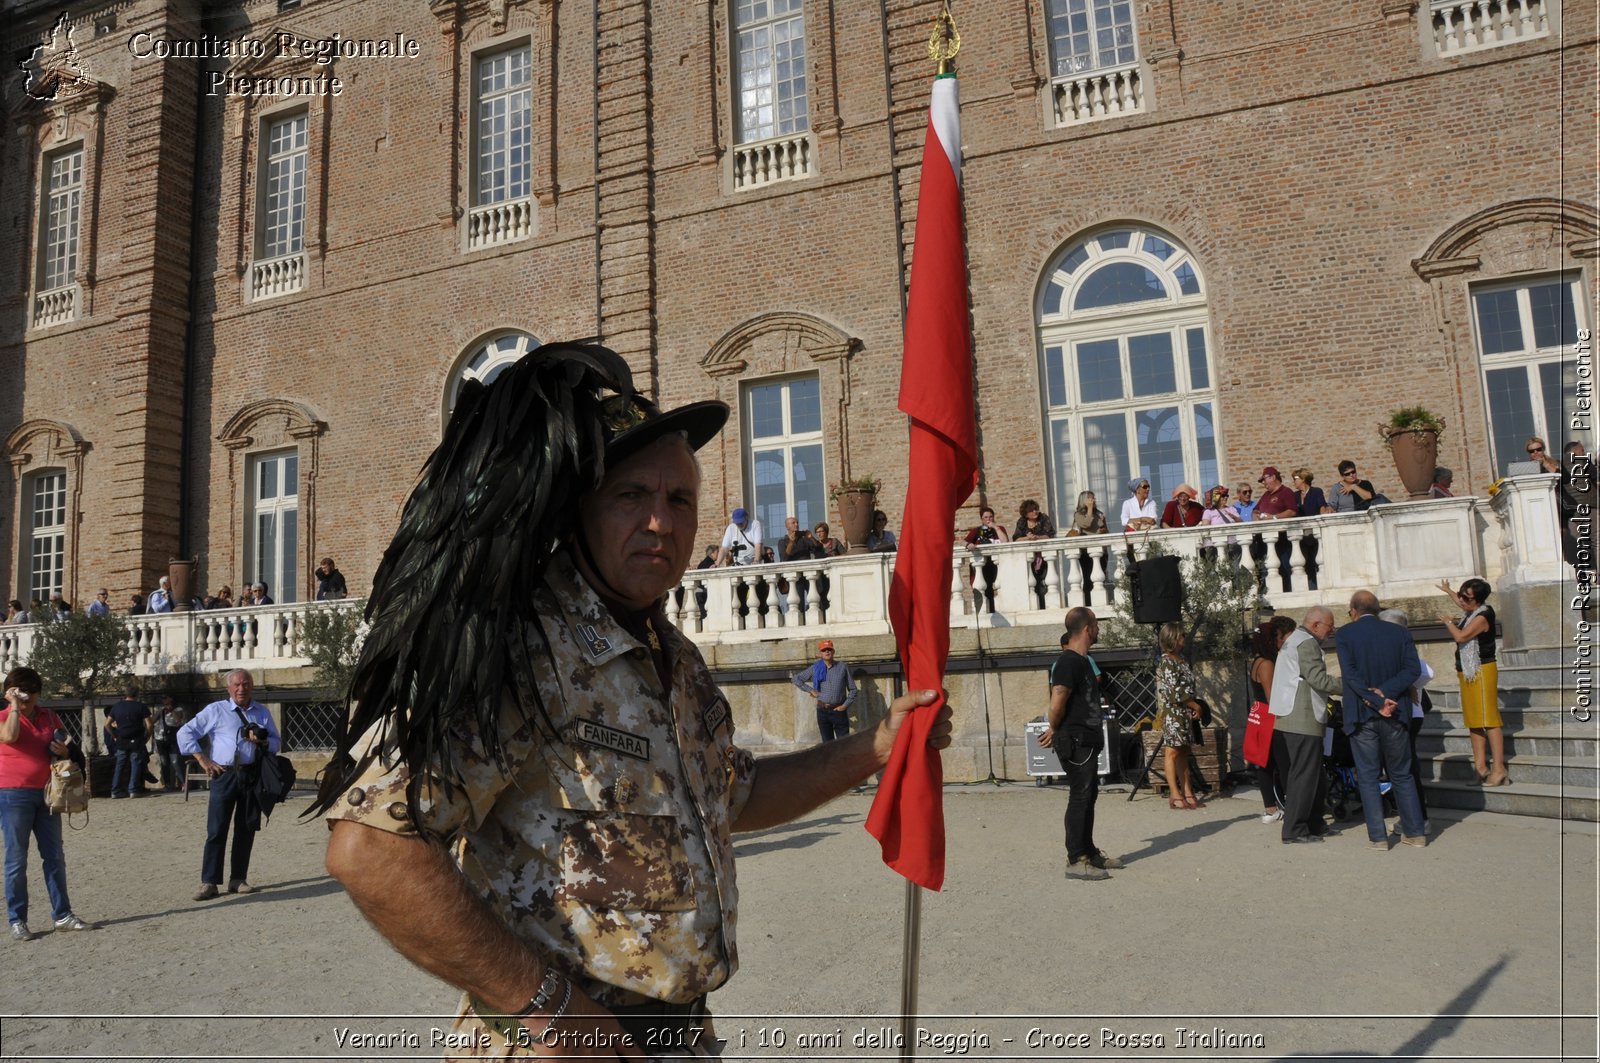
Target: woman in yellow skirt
1478 674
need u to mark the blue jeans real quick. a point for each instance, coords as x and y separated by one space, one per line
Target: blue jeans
23 814
127 772
1386 741
224 807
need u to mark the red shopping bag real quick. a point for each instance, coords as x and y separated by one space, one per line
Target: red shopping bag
1258 734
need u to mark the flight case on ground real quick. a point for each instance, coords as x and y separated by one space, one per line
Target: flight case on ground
1043 762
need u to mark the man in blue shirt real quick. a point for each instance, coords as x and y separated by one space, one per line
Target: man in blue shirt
238 731
829 682
101 606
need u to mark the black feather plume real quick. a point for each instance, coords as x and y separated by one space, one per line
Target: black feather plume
495 500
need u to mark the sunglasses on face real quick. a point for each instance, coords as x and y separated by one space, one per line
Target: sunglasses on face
1535 450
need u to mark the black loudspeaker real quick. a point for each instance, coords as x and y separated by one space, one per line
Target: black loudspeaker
1157 591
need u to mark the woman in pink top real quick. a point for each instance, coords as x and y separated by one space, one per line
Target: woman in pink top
29 735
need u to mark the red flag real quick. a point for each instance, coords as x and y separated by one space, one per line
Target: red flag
907 816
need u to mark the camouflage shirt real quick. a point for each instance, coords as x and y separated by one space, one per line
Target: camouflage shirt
610 852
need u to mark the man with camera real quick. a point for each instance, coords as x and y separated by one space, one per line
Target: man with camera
237 732
741 540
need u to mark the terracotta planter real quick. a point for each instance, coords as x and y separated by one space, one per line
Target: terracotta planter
180 574
855 517
1416 455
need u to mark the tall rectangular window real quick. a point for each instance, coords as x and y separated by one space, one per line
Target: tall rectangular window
770 68
1089 35
1525 332
47 532
784 453
275 533
504 153
283 215
63 209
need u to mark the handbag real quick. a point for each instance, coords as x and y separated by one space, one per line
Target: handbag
1258 734
67 791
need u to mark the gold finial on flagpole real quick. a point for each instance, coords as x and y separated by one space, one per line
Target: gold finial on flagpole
945 42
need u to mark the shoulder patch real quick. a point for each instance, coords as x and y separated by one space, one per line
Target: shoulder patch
715 715
618 741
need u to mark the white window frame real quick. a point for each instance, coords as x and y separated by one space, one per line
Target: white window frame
787 441
282 205
46 494
61 204
778 148
1104 81
285 154
1530 358
501 209
1176 314
483 361
281 572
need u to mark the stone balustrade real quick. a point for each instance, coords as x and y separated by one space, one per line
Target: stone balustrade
499 223
210 640
271 277
1095 94
56 306
766 161
1400 550
1469 25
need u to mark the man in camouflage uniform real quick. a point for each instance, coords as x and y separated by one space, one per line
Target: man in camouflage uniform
594 902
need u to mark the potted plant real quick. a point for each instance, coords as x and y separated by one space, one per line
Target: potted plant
1413 437
856 499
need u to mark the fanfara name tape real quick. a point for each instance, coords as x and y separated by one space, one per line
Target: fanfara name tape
624 742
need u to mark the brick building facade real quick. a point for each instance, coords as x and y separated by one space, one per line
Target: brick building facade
1201 240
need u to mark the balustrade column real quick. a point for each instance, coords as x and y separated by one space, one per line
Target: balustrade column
1100 589
981 586
1052 578
1297 561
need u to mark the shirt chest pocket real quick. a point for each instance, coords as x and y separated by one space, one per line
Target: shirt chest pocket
622 839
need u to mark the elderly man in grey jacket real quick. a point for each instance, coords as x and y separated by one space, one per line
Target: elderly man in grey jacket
1301 687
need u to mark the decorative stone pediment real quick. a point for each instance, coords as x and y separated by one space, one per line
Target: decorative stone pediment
782 338
269 421
1459 249
44 442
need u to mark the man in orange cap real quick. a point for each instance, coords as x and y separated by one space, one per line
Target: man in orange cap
828 680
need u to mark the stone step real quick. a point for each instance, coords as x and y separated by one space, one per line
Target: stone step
1518 799
1524 741
1581 773
1536 696
1547 656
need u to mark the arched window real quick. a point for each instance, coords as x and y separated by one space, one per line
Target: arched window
484 361
1126 368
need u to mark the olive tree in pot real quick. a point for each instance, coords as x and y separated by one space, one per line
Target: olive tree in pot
1413 437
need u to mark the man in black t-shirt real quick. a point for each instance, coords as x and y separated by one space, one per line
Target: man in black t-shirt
129 724
1075 734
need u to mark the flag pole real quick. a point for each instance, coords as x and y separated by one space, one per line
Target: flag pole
942 49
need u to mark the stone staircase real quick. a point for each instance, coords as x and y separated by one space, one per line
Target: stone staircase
1553 759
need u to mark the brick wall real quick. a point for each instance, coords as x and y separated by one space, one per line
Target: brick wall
1306 160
